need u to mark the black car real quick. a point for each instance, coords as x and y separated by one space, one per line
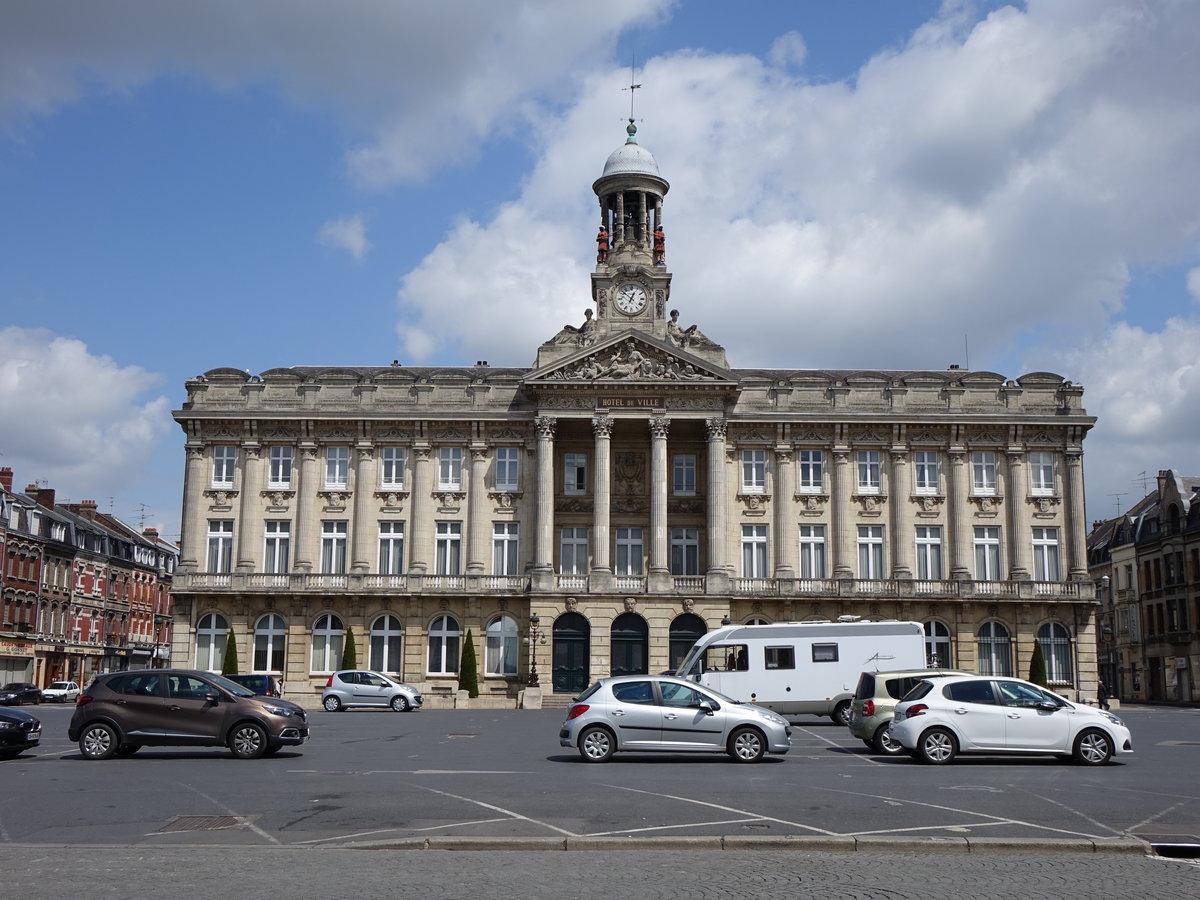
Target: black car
263 685
17 692
19 731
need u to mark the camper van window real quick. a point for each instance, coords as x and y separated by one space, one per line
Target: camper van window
781 657
825 652
727 658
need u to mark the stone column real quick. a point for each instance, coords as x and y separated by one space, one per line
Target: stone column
479 522
192 539
1075 542
248 532
544 548
420 520
659 426
903 535
845 537
619 232
602 428
787 537
306 530
961 534
716 496
362 529
1020 549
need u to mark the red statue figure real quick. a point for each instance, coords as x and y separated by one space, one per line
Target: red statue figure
602 245
660 246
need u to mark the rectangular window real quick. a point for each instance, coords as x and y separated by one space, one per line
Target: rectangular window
575 473
278 547
780 657
754 471
337 468
754 550
1045 555
279 460
391 548
929 552
449 548
868 471
925 472
685 551
224 457
450 460
220 545
1041 474
683 481
392 463
811 475
824 653
987 554
629 551
983 472
504 549
870 551
573 559
812 551
333 548
507 468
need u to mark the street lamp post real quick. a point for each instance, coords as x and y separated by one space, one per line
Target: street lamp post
533 642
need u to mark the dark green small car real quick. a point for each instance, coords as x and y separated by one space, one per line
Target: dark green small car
875 702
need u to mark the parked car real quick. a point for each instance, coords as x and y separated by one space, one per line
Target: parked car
641 713
119 713
943 717
17 692
263 685
875 700
61 692
357 687
19 731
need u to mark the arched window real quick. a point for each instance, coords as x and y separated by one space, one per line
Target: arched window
270 643
211 632
757 620
444 638
386 632
328 636
995 650
630 642
685 630
501 655
1055 642
937 645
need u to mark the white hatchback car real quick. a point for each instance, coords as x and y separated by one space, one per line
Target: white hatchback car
61 692
939 719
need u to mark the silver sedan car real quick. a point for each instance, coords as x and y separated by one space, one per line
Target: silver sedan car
357 687
658 713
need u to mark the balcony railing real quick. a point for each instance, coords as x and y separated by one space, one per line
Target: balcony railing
635 584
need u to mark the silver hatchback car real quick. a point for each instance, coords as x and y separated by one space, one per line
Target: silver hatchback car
358 687
658 713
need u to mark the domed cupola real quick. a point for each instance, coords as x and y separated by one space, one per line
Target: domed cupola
631 195
631 158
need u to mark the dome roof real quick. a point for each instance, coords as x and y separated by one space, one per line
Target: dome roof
631 158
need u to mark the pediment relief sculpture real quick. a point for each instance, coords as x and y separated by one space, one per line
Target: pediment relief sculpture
631 361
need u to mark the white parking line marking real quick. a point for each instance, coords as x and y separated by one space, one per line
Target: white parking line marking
359 834
666 827
1116 831
217 803
728 809
1156 816
499 809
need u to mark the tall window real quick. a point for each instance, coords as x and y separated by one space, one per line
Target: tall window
220 545
391 548
337 468
1041 474
211 633
1055 642
450 461
573 558
508 468
683 475
812 551
270 642
501 653
754 471
328 637
386 635
685 551
444 637
629 551
279 467
504 549
277 547
983 472
811 471
868 471
575 473
393 461
754 550
987 555
995 650
929 552
333 548
937 645
1045 555
925 472
449 548
870 551
224 457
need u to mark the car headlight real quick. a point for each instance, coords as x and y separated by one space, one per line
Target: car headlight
1113 719
8 726
278 710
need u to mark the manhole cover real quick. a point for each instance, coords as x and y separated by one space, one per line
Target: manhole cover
203 823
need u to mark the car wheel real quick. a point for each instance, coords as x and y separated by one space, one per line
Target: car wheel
937 747
1093 748
884 742
128 749
747 745
400 703
332 703
98 741
597 744
248 741
841 714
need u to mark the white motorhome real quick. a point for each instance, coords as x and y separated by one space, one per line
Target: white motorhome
802 668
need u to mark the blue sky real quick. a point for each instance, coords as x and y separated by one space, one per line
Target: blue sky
188 186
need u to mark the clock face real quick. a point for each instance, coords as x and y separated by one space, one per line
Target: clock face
631 299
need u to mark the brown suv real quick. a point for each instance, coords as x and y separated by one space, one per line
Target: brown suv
121 712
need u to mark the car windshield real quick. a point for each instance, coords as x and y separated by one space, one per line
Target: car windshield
12 686
60 685
232 686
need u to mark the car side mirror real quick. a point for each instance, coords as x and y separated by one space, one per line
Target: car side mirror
708 707
211 697
1048 706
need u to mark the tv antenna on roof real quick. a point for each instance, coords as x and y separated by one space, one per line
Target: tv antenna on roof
1117 499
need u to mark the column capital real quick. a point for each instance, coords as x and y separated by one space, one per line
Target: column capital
545 426
716 427
659 426
602 426
479 454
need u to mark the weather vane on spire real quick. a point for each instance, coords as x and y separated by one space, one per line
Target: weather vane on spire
632 129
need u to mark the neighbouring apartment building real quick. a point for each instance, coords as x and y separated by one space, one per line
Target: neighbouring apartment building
596 512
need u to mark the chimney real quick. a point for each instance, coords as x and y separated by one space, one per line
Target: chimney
150 534
45 497
85 508
6 479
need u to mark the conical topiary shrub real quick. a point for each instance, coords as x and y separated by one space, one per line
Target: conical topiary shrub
468 670
229 665
349 651
1037 666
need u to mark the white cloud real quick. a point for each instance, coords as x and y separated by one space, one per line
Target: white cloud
349 234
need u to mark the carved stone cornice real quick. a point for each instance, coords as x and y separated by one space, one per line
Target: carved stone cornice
335 501
391 501
504 500
1045 507
987 507
449 501
277 500
811 504
754 503
221 499
870 504
927 504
